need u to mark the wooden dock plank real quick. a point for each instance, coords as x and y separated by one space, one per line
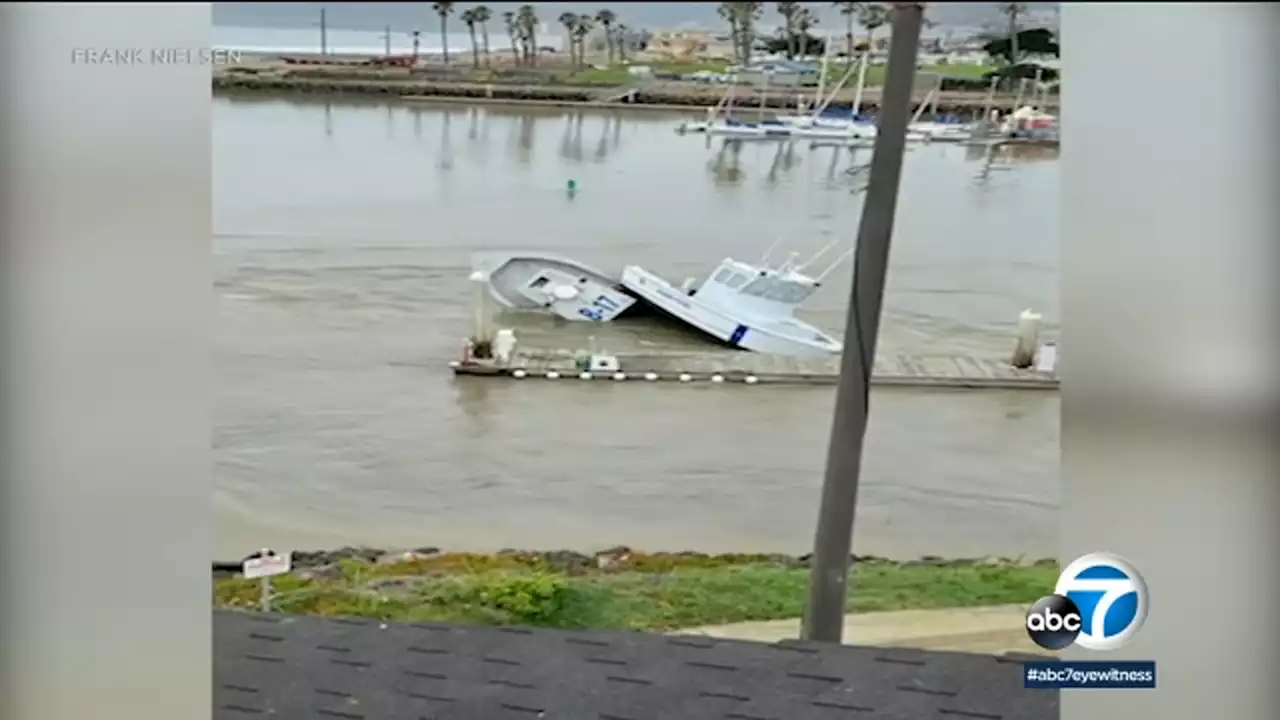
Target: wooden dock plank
891 369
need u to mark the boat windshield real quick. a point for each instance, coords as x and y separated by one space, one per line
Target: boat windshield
786 293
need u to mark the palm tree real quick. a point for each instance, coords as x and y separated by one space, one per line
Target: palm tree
802 23
1013 10
848 10
468 17
788 12
580 32
742 18
570 21
872 16
622 43
444 9
728 11
483 15
509 18
528 23
749 13
606 18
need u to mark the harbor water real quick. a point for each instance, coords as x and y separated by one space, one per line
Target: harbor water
343 240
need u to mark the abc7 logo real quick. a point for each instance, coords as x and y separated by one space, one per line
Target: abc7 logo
1053 622
1099 603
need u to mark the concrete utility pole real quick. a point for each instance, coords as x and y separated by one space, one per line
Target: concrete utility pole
828 580
324 33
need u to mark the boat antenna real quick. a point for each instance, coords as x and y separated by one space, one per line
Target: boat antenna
789 263
764 259
821 251
843 256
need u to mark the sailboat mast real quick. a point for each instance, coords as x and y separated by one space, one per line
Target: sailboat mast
831 95
923 105
862 81
822 76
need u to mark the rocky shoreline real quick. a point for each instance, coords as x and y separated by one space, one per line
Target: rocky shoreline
318 563
676 96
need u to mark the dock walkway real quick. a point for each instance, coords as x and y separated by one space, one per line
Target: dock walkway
891 369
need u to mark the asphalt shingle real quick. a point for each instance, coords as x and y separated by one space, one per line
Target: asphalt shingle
291 667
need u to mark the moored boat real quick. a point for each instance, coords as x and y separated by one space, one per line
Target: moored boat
751 307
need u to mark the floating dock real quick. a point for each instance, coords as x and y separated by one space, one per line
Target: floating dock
891 369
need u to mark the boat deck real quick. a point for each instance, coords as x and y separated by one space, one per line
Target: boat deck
891 369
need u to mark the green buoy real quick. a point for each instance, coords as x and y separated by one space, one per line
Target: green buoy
572 186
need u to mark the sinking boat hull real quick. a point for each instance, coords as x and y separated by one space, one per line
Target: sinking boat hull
775 336
555 285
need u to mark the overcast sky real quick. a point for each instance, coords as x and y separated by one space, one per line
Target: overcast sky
959 17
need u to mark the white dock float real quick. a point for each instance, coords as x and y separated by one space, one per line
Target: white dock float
891 369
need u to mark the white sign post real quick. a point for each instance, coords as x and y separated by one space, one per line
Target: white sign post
262 565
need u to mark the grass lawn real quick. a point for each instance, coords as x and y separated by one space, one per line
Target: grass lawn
663 593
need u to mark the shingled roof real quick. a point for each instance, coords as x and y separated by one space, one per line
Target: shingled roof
291 667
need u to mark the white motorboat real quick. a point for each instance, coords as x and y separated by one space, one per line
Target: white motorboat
746 306
733 128
546 283
849 131
940 131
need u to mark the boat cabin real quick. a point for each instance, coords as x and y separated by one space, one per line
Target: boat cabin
759 289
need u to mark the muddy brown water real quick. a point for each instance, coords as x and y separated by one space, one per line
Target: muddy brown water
343 236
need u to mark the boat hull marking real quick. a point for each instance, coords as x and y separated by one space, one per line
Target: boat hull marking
738 333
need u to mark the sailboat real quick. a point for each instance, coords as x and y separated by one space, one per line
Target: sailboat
823 124
942 128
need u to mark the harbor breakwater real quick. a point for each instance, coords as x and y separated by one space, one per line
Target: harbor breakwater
668 96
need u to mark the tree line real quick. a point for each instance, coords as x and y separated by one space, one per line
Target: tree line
794 40
522 33
1011 46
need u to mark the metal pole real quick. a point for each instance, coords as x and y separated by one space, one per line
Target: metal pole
829 576
324 34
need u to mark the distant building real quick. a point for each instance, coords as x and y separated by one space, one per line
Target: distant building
690 45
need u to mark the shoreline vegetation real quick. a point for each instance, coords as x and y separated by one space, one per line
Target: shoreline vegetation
609 87
614 589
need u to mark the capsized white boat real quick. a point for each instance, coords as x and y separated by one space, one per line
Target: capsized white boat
548 283
751 307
